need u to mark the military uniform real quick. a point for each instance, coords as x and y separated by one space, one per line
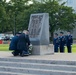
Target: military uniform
62 42
13 45
56 44
69 41
23 44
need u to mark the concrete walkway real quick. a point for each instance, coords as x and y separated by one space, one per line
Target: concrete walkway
56 56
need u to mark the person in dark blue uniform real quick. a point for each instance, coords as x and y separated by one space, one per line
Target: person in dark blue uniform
23 43
13 44
62 42
69 41
56 42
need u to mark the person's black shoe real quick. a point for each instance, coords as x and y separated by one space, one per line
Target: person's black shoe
14 54
22 55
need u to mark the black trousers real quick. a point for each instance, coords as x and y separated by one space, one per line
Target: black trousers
25 50
55 48
69 48
61 49
15 52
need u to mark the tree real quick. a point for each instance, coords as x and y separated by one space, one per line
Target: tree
61 16
15 14
3 17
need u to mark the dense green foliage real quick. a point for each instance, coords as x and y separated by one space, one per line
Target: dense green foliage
15 15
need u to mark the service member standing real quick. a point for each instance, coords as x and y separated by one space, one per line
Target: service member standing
62 42
69 41
56 42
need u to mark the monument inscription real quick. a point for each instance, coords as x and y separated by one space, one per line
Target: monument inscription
35 28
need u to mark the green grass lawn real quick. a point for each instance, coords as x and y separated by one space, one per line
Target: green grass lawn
73 48
5 47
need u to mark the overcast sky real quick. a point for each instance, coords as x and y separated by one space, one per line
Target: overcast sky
7 0
29 1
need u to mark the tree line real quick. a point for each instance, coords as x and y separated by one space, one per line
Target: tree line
15 14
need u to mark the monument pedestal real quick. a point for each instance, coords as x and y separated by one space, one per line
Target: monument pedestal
43 49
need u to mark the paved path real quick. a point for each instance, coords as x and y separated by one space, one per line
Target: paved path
56 56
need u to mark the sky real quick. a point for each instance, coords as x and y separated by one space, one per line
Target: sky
7 0
70 3
29 1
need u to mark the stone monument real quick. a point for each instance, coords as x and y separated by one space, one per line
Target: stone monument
39 34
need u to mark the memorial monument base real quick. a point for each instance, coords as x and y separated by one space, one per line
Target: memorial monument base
43 50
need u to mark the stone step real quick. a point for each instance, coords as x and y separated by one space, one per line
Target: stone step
36 71
39 66
62 62
11 73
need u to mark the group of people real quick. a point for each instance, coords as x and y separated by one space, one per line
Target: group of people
60 41
20 44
